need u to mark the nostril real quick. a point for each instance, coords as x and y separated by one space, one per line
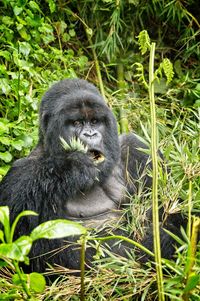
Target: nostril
89 135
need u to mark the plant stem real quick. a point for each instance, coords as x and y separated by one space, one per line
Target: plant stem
192 253
154 150
189 210
83 246
120 237
98 70
122 113
193 245
18 88
23 282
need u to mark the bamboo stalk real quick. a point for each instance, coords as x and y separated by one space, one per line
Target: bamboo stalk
123 121
189 210
154 154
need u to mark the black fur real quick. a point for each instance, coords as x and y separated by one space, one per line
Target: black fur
68 184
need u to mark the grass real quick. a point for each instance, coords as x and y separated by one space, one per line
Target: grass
116 278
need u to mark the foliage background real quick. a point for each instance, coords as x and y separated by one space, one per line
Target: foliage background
45 41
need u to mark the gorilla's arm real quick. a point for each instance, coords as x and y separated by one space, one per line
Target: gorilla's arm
46 182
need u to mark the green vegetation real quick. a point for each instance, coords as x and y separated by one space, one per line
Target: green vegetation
13 252
45 41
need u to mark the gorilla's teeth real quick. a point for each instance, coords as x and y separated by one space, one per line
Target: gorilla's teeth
97 156
100 159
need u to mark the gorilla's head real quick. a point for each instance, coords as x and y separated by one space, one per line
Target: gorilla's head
75 108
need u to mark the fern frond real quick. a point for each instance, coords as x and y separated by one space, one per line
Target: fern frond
140 74
75 144
144 41
166 67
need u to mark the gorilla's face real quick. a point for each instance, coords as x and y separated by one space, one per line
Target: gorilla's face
87 123
75 109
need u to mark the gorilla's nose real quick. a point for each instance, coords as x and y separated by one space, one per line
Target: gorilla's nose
90 134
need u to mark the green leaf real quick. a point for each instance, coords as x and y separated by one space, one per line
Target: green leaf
17 10
24 244
34 5
46 28
6 156
7 20
140 74
5 87
52 5
1 236
197 103
37 282
167 67
89 31
4 169
72 32
192 282
5 54
82 61
57 229
61 27
4 128
23 33
17 280
73 145
28 140
18 144
24 48
5 140
16 250
21 21
144 41
4 216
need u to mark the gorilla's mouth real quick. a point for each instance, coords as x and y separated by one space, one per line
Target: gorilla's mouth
96 156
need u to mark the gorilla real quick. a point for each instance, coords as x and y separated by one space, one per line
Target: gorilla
92 185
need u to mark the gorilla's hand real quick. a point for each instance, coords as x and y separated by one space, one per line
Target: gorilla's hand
77 170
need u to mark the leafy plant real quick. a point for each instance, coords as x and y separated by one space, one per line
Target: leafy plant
192 279
33 54
144 42
12 252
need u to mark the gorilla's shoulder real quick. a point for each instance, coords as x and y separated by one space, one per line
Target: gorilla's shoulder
132 140
22 161
134 150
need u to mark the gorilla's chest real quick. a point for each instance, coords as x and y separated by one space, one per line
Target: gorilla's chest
101 203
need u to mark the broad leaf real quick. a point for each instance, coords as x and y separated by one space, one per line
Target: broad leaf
4 215
57 229
5 156
17 250
37 282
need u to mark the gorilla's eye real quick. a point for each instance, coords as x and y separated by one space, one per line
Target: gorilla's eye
94 121
77 123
